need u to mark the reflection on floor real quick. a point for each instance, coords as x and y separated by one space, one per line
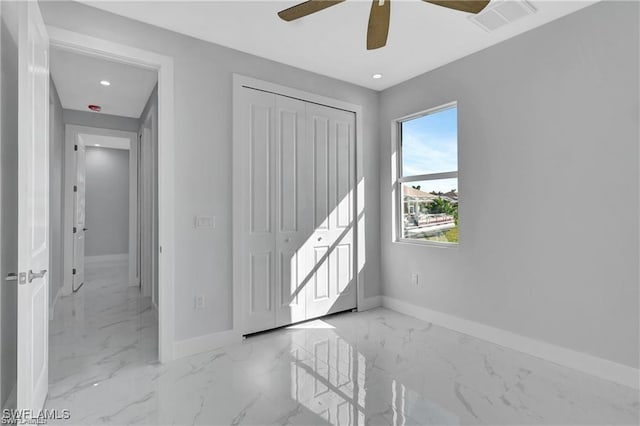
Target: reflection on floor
375 367
97 334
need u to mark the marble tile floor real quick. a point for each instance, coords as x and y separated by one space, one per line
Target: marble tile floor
374 368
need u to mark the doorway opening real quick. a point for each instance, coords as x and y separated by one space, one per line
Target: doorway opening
102 171
37 236
104 287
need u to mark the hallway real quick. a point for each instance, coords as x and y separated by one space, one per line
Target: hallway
102 331
374 367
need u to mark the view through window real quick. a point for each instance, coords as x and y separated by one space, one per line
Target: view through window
428 176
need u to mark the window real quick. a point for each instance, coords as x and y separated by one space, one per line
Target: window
427 184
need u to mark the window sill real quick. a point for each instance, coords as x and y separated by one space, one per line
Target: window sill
427 243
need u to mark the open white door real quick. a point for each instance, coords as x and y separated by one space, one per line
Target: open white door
33 209
79 223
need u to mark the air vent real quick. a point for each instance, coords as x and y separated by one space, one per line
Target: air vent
502 13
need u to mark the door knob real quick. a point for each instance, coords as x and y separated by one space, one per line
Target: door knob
35 275
319 238
85 229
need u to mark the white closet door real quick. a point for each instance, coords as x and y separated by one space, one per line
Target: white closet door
329 254
295 240
257 223
293 208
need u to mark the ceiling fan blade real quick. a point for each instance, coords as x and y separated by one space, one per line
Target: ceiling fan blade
306 8
471 6
378 29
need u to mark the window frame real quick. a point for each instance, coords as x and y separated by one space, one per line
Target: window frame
399 179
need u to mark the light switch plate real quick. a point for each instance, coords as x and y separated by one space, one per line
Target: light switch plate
414 279
204 222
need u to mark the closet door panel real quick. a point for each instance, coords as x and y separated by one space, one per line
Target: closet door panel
294 223
257 220
329 255
319 164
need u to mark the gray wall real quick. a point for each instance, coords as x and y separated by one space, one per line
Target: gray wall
548 149
104 121
8 196
203 154
56 176
107 201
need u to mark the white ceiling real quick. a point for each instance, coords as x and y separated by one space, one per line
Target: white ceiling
422 36
77 79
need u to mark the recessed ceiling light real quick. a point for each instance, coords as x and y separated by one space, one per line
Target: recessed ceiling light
105 83
97 144
376 76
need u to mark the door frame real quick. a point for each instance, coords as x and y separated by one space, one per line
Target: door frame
148 288
96 47
241 82
72 132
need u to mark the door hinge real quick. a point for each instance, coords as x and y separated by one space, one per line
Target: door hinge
74 271
75 147
75 188
75 229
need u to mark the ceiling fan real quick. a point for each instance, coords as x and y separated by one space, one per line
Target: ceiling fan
379 17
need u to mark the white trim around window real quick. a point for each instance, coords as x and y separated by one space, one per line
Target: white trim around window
399 179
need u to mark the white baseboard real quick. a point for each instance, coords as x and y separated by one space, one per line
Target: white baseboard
213 341
370 303
206 343
122 257
595 366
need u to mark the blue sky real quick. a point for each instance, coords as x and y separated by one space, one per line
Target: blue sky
429 145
